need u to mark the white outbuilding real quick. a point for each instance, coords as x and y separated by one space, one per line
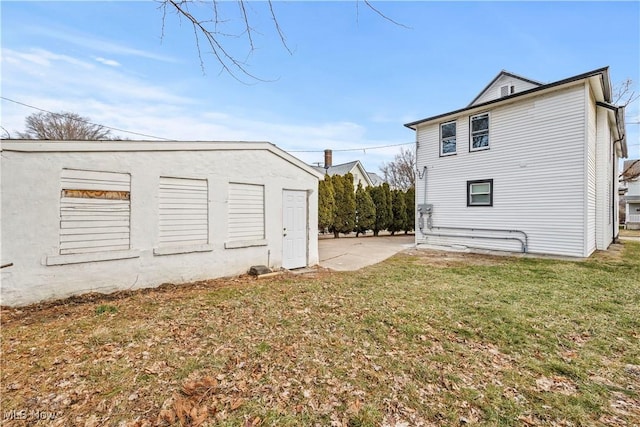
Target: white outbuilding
84 216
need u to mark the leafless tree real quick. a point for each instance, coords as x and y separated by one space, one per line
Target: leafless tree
212 22
631 172
401 172
62 126
624 93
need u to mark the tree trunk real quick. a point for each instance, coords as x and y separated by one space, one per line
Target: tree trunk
336 234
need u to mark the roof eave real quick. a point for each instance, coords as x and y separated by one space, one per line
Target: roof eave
40 146
602 71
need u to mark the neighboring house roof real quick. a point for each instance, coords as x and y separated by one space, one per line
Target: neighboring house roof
344 169
601 84
94 146
375 179
630 170
500 75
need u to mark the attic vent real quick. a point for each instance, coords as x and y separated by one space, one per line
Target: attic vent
507 90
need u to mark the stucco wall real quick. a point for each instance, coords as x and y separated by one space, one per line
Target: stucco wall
31 191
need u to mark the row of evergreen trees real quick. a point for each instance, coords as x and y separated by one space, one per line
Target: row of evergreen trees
343 210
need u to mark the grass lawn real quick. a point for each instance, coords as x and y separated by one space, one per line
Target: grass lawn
424 338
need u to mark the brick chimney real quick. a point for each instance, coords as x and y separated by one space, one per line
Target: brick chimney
328 158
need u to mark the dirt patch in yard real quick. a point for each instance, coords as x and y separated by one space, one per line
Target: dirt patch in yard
444 259
55 309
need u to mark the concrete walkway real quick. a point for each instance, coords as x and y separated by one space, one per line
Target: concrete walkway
351 253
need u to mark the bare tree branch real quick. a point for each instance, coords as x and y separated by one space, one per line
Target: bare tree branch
277 25
6 132
246 24
385 16
631 173
624 94
401 172
207 30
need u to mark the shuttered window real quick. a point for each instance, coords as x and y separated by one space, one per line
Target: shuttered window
246 212
184 212
94 211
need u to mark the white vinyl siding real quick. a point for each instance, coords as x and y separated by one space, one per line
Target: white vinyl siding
494 91
591 176
94 211
246 212
184 212
537 156
604 171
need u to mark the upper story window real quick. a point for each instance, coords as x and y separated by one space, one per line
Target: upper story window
479 132
448 138
507 90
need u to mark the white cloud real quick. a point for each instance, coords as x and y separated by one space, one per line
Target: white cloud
40 58
112 97
109 62
95 44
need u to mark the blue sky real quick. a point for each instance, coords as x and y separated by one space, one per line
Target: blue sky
351 82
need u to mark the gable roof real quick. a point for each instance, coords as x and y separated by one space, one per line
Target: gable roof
503 73
375 179
602 73
600 83
344 169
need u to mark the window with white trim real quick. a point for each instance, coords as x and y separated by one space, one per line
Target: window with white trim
184 212
480 192
479 134
94 211
448 138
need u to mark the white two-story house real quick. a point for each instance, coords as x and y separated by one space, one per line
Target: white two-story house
631 179
526 166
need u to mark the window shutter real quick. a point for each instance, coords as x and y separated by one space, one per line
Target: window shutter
246 212
184 212
94 211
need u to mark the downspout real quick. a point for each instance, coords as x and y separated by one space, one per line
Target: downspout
614 221
614 191
618 114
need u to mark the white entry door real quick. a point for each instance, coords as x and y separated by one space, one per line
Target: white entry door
294 232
